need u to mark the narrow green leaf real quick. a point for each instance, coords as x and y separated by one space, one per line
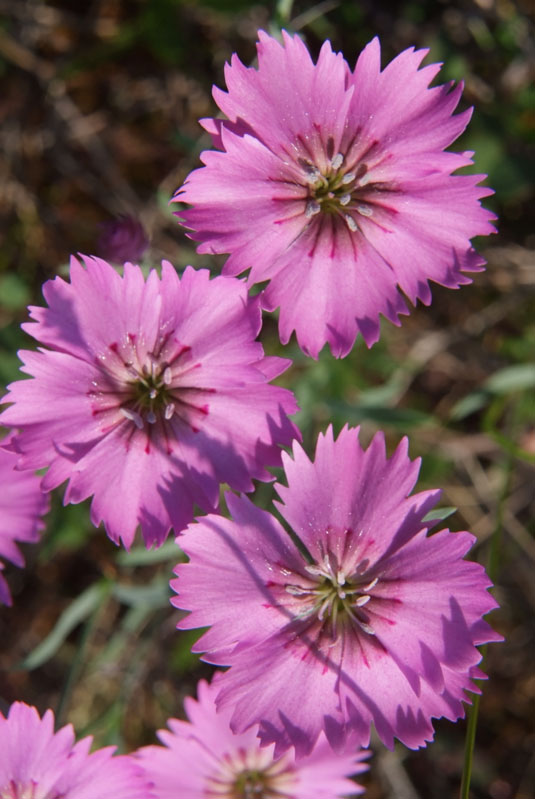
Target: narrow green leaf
513 378
139 556
78 610
439 514
154 595
469 404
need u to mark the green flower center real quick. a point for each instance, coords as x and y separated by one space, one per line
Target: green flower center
334 598
252 774
337 190
151 393
252 785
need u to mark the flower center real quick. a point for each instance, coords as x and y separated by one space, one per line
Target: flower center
335 598
151 395
252 785
15 790
337 188
147 388
252 774
336 193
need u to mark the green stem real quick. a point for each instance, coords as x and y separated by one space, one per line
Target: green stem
80 656
470 742
492 569
283 12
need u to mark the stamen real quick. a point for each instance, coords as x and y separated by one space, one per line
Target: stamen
169 410
352 225
362 600
345 199
369 587
315 570
297 590
133 416
312 173
313 178
312 209
153 393
337 161
167 376
365 627
365 210
349 177
328 601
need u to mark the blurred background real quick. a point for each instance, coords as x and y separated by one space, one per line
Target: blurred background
98 120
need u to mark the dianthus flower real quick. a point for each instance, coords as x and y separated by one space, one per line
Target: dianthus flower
334 186
379 621
122 239
22 503
152 394
37 763
203 757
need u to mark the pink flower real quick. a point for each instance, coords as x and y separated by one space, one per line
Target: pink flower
22 503
378 622
122 239
204 758
37 763
151 395
334 186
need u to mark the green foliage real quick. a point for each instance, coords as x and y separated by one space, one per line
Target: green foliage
78 611
120 627
14 293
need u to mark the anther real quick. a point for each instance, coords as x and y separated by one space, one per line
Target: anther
315 570
151 417
345 199
312 209
297 590
327 602
153 393
169 410
349 177
167 375
365 210
352 225
337 161
366 627
311 171
313 177
362 600
133 416
369 587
